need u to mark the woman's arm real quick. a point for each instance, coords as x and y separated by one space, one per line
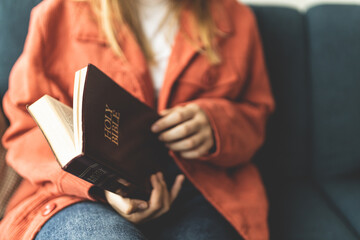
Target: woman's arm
238 127
28 152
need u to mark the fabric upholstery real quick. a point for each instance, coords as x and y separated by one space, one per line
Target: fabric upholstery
303 213
334 55
313 61
334 51
9 179
344 194
14 30
287 149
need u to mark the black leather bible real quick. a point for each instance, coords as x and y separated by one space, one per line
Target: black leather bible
105 138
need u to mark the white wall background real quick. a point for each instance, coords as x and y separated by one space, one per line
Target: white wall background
299 4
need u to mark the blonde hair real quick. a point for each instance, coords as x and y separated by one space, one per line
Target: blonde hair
112 14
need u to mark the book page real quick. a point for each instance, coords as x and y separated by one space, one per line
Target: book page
55 120
79 83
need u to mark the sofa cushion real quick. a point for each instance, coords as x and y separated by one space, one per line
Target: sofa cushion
299 211
14 21
287 149
334 51
344 193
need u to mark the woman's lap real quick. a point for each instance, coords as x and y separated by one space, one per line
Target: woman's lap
90 220
190 217
196 219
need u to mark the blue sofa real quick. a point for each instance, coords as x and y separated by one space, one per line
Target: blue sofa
311 159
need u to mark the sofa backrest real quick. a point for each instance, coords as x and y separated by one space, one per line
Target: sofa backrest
313 60
14 22
287 151
334 56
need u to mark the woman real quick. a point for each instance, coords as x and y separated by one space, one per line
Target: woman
200 63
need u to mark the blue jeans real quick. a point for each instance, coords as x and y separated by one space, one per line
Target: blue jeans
195 219
190 217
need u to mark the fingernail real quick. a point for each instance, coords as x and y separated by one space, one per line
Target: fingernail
182 177
143 206
155 178
154 128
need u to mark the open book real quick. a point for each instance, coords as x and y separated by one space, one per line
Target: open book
105 139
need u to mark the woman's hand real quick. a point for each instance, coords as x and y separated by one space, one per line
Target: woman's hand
139 211
187 131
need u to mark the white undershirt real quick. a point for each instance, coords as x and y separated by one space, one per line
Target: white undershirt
159 28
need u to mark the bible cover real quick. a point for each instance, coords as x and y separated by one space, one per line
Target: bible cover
117 137
118 151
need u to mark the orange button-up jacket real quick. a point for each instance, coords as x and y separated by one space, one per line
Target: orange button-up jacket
63 37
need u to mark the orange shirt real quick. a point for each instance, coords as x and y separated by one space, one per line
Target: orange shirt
236 96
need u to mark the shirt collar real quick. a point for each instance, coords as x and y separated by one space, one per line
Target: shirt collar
87 29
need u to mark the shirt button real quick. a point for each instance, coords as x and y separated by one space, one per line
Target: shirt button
48 209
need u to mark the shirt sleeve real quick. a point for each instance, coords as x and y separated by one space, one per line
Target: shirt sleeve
27 149
239 126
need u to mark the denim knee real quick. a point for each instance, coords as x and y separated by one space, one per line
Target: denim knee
89 220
